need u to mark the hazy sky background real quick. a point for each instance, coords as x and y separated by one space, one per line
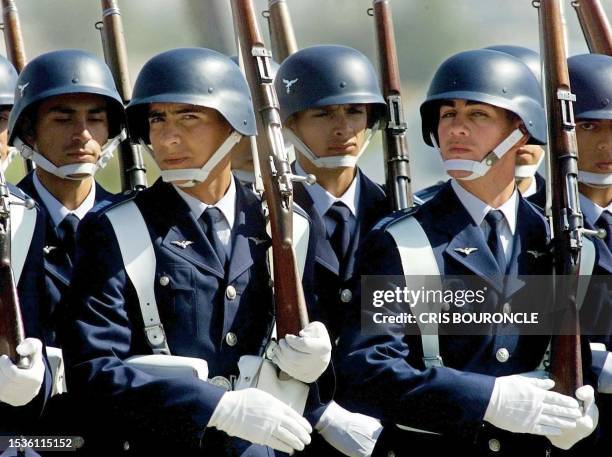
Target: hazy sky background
427 32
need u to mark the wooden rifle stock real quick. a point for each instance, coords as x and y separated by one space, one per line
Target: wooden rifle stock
291 315
566 360
133 174
595 26
282 36
11 324
15 48
395 143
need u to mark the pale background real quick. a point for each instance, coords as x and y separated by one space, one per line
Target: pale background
427 32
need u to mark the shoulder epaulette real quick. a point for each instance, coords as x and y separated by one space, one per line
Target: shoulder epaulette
117 200
392 218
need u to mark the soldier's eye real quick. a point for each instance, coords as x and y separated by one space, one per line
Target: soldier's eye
587 126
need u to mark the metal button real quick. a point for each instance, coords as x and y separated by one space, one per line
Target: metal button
230 292
390 454
126 445
231 339
502 355
445 307
164 280
346 295
494 445
506 308
222 382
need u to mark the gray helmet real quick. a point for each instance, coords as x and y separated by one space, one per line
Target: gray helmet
196 76
8 81
525 55
68 71
591 81
486 76
327 75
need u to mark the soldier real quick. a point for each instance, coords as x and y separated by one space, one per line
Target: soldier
330 104
8 81
467 394
205 249
591 82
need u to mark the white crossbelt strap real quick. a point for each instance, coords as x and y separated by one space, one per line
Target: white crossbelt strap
139 261
23 221
418 261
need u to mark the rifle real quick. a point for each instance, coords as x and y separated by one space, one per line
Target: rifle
15 48
291 315
282 36
595 25
567 220
133 174
397 160
11 325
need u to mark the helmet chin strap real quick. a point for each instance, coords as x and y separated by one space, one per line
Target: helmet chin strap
527 171
598 180
479 169
4 164
74 171
192 176
345 160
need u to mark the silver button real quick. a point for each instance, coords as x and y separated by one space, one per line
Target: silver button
445 307
230 292
390 454
231 339
126 445
346 295
222 382
164 280
507 308
502 355
494 445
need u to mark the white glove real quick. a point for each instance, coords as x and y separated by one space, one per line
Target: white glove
352 434
584 425
258 417
18 386
522 404
304 357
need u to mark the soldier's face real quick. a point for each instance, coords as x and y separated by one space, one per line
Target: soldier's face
4 115
332 130
469 130
71 129
594 145
185 136
529 154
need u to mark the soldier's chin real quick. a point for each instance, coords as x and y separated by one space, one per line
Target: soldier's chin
459 174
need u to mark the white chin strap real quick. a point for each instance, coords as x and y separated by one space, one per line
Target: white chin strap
74 171
479 169
527 171
4 164
339 161
192 176
600 180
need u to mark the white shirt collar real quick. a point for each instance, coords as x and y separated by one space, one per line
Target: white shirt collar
56 209
591 210
532 189
227 204
323 200
478 209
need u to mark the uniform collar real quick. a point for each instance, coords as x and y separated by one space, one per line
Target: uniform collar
591 210
478 209
227 204
56 209
323 200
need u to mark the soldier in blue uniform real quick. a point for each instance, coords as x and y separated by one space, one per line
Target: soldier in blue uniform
591 82
68 118
467 394
206 241
331 104
23 392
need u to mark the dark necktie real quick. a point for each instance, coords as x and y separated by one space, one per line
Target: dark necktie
605 222
209 219
67 233
495 219
340 237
